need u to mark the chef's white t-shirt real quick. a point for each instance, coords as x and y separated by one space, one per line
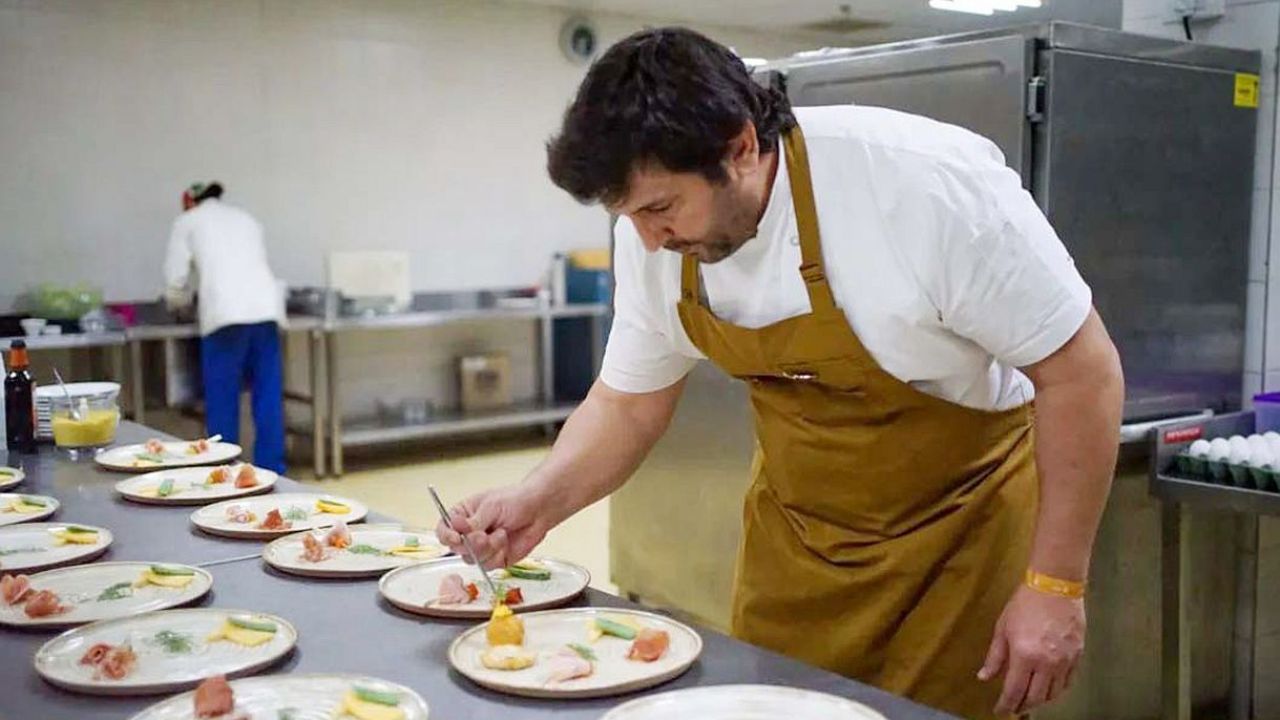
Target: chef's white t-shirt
944 266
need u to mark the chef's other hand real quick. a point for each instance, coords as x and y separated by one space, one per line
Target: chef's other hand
1038 643
503 526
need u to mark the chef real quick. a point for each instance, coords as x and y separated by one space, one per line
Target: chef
937 404
216 254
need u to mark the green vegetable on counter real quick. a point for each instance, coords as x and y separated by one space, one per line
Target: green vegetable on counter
365 549
528 572
583 651
609 627
255 625
166 488
174 643
172 571
119 591
377 697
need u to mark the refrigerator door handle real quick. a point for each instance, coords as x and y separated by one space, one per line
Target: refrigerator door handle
1140 431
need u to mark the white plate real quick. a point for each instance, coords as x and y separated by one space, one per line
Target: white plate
9 517
213 518
30 546
157 671
313 696
415 588
80 587
285 554
742 702
125 457
189 486
10 476
548 631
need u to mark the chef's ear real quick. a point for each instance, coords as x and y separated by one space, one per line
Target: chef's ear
743 155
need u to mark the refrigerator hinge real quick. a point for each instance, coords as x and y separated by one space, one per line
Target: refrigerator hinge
1035 98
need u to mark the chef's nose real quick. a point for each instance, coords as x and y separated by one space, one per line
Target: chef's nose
654 236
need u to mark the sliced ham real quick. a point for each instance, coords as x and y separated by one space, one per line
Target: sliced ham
154 447
240 514
312 549
14 588
275 521
43 604
118 663
247 477
339 537
452 591
95 655
214 698
649 645
567 665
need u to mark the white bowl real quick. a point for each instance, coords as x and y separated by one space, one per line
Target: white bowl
33 326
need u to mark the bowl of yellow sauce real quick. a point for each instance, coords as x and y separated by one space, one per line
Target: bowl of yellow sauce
87 421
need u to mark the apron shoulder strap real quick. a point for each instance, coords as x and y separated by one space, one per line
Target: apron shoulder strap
811 268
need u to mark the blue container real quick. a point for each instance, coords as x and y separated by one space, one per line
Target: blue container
1266 410
587 286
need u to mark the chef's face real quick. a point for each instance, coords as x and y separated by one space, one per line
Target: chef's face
685 212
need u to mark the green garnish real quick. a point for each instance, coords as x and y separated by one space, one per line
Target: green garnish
29 500
119 591
150 457
378 697
365 549
250 624
609 627
583 651
172 571
296 513
166 488
287 714
412 541
174 643
529 573
7 472
15 551
77 530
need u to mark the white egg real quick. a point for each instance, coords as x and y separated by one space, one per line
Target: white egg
1256 441
1239 454
1200 449
1275 446
1219 449
1262 457
1239 445
1271 436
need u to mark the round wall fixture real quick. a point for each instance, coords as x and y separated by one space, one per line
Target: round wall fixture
578 41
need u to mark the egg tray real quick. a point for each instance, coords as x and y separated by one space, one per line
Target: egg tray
1249 477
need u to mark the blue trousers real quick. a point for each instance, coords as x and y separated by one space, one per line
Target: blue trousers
230 358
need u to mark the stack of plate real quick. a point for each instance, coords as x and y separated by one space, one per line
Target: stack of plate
46 393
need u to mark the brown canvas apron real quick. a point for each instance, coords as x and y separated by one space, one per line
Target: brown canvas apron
885 529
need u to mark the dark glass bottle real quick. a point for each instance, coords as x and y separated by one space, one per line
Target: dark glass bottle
20 400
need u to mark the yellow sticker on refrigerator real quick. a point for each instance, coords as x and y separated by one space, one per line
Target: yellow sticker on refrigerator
1246 90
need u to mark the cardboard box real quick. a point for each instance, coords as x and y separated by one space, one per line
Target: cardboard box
485 381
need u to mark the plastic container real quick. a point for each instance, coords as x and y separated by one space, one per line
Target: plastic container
99 418
1266 410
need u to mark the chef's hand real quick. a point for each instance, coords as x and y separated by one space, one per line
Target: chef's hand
1037 645
503 525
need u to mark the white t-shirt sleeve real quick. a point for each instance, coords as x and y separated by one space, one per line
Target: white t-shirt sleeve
640 356
1002 277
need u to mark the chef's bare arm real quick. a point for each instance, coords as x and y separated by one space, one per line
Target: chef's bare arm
601 445
1079 402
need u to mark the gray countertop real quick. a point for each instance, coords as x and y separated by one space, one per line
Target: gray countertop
343 626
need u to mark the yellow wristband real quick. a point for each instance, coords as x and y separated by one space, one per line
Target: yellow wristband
1054 586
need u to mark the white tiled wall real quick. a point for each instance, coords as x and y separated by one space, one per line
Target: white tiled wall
1255 25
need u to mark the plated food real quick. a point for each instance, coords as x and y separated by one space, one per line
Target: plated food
101 591
10 476
349 552
38 545
741 702
16 508
159 454
576 653
453 588
197 485
276 515
296 697
163 651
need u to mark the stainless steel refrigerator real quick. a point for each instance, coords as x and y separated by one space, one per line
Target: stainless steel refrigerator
1140 151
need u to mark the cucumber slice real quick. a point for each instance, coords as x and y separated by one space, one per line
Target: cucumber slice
412 541
77 530
28 500
172 571
377 697
166 488
251 624
583 651
609 627
525 573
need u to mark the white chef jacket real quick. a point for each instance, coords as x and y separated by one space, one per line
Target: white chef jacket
944 266
216 250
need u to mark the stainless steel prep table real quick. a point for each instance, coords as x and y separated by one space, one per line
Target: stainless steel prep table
344 625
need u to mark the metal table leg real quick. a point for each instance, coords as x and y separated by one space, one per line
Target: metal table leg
136 394
1246 609
1175 625
315 357
335 401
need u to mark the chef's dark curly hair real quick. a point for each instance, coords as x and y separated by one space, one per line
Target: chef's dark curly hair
669 96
